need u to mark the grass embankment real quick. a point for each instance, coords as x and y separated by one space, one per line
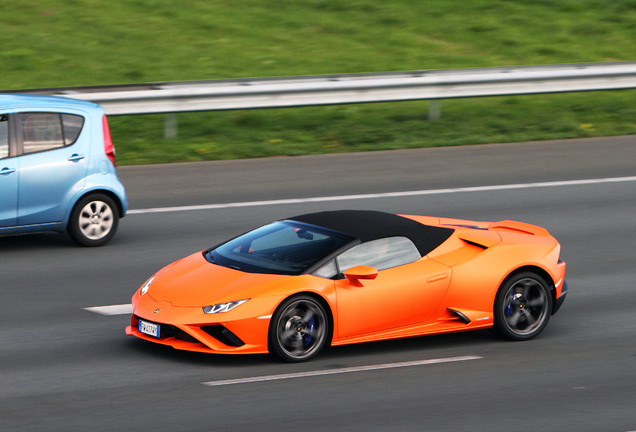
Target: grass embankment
56 43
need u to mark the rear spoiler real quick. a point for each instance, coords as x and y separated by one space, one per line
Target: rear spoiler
520 227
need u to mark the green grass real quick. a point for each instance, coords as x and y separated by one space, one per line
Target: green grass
46 43
350 128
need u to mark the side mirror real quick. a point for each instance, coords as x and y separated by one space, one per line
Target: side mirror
354 274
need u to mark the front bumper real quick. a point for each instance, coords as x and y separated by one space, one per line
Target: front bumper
189 329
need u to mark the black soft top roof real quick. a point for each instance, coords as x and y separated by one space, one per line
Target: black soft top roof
369 225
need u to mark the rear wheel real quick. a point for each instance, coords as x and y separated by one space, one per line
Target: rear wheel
298 330
522 306
94 220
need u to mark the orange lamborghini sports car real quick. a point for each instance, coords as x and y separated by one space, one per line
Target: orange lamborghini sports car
342 277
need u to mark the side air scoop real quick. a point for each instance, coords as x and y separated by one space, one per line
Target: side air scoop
481 238
467 316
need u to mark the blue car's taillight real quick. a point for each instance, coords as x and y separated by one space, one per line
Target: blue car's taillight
109 148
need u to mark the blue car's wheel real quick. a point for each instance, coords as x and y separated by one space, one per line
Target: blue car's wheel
298 329
522 306
93 221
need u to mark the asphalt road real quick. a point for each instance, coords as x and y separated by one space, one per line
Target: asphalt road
63 368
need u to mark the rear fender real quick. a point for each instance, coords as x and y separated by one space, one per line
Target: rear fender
115 195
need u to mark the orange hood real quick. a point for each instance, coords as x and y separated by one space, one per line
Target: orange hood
195 282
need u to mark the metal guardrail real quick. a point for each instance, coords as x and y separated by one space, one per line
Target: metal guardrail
170 97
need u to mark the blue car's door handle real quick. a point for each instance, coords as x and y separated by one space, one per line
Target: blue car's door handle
76 157
6 171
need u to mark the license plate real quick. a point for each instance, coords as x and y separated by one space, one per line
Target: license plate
149 328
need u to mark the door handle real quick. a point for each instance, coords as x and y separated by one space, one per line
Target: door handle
6 171
76 157
436 278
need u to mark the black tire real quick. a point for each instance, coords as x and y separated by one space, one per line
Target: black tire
522 306
94 220
298 330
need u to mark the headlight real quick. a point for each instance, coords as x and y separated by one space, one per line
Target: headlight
223 307
146 286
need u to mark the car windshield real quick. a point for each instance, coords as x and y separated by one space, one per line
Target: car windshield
288 248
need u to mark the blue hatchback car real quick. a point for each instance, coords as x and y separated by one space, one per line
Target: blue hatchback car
57 169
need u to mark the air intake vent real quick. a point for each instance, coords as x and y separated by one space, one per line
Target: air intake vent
175 332
475 244
461 316
223 335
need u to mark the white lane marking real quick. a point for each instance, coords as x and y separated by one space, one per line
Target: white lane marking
383 195
338 371
122 309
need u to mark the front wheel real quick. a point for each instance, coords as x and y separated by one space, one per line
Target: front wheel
298 330
93 221
522 306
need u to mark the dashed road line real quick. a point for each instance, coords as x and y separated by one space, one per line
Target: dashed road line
338 371
121 309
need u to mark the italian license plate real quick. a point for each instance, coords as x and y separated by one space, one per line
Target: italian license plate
149 328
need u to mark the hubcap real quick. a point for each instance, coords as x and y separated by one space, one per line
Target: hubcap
96 220
526 306
301 329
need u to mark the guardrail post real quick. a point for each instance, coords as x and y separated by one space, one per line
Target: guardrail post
170 126
434 109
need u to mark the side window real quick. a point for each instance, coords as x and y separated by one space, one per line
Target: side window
4 136
382 254
41 131
48 131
